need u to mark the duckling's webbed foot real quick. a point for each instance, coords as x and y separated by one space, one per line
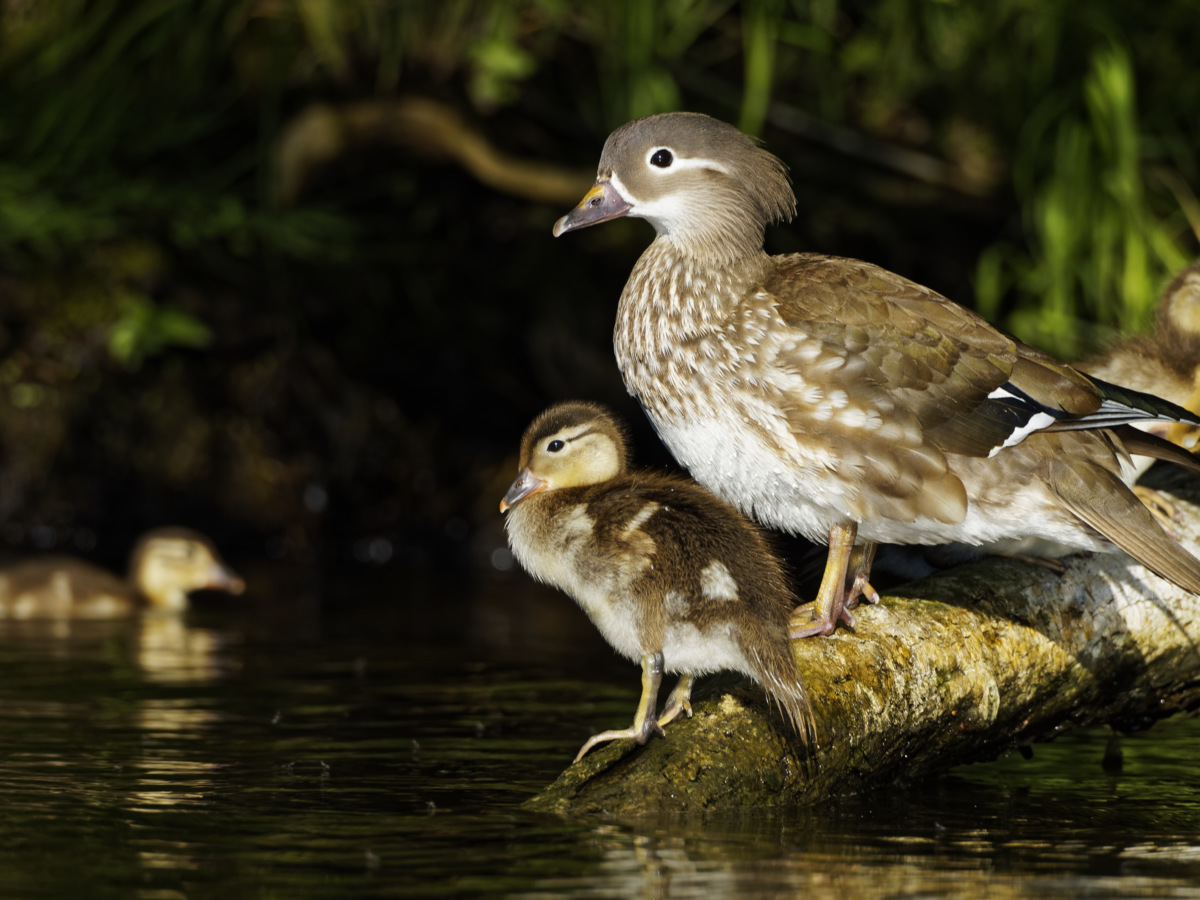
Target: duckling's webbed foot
680 701
644 722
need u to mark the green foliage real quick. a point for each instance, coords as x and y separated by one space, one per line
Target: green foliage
145 329
1101 247
1089 109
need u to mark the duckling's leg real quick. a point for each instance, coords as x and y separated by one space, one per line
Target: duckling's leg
821 615
680 701
644 722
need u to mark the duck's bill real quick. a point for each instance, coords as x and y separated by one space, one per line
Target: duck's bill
526 485
221 578
600 204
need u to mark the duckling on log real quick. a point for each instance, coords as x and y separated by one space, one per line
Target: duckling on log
672 576
1165 362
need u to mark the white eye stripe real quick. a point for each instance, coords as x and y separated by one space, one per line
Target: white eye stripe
682 162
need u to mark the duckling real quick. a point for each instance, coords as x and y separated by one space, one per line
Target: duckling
166 564
831 398
1165 362
673 577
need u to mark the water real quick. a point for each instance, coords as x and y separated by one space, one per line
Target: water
377 739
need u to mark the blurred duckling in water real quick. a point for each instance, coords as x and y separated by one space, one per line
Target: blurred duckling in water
165 566
672 576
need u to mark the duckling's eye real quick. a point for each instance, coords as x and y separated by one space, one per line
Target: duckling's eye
662 158
555 445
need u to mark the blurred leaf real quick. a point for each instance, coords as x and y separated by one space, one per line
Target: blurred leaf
1100 251
146 329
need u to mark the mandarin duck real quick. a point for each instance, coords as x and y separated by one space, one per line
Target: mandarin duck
166 564
831 398
671 576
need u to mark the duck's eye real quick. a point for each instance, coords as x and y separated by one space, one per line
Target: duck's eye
662 158
555 445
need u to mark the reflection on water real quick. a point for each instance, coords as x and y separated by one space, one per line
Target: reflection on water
377 739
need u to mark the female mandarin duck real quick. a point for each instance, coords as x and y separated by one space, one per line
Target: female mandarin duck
831 398
166 565
670 575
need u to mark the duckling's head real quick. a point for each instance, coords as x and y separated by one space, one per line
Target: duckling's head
1179 310
168 563
703 184
571 444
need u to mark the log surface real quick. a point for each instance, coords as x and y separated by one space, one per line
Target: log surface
959 667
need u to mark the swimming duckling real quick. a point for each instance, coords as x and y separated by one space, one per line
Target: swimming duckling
672 576
166 564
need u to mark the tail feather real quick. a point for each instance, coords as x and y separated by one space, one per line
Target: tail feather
1141 443
783 686
1118 400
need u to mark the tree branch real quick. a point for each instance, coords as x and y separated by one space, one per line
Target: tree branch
960 667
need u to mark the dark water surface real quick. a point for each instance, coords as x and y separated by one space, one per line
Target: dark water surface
376 739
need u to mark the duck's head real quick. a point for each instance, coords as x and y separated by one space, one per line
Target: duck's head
169 563
572 444
703 184
1179 309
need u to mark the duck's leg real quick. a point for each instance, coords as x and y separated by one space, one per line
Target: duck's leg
644 722
680 701
822 614
859 567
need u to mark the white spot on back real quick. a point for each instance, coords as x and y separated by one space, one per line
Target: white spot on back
675 603
640 518
716 582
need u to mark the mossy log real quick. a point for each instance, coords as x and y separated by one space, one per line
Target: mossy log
959 667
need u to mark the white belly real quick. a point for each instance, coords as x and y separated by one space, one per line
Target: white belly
801 497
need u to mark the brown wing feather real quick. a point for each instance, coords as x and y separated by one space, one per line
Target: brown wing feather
923 362
1101 500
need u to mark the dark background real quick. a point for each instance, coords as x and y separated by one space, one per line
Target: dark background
283 271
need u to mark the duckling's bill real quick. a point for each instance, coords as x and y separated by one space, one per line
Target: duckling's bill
602 203
526 485
223 578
